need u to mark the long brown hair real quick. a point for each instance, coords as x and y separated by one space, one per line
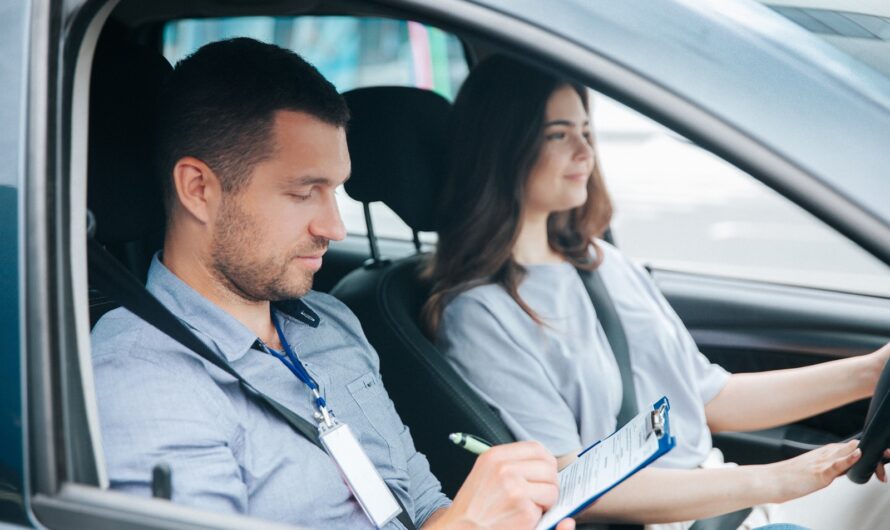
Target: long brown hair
496 135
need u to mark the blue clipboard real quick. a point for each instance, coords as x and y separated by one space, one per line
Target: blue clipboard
660 425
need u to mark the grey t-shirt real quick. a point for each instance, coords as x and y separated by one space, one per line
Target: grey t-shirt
559 383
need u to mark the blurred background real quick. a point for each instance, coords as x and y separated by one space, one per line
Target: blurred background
678 207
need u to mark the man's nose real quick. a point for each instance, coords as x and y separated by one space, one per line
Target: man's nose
328 224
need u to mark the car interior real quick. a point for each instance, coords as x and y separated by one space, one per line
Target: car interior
396 138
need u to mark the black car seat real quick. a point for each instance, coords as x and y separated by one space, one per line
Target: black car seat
123 191
397 140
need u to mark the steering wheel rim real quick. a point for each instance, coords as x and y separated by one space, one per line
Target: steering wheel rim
876 433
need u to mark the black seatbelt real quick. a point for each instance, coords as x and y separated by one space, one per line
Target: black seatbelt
608 317
114 280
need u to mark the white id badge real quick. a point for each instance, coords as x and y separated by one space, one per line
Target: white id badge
366 484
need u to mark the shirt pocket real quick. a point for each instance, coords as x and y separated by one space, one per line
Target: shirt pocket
383 438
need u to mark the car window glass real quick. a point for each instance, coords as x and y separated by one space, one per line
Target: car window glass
351 52
679 207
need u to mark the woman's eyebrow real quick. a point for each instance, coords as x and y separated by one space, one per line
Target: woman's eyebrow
568 123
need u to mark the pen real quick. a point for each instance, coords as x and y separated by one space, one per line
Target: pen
471 443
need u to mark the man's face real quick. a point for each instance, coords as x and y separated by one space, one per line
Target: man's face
269 235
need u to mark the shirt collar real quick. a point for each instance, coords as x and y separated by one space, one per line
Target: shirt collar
231 337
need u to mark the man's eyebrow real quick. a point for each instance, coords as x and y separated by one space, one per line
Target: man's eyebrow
312 180
568 123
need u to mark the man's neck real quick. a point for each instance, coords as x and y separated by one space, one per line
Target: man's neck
189 267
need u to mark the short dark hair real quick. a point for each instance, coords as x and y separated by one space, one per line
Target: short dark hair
219 106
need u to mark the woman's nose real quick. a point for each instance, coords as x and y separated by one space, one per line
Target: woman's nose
583 149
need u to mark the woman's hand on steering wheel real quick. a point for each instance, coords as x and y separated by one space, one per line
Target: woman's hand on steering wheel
812 470
876 432
880 359
880 471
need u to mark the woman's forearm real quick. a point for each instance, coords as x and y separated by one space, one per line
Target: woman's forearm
779 397
668 495
656 495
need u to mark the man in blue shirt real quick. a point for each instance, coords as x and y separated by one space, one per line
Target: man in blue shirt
252 146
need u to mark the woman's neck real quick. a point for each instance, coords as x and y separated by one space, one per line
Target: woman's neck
532 246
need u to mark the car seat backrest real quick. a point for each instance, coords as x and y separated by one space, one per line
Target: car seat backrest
398 142
123 190
395 155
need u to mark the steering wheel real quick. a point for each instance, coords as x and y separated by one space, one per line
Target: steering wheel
876 434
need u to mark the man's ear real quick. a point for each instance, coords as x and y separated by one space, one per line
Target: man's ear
197 188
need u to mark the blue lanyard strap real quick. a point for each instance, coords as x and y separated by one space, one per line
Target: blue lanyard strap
290 359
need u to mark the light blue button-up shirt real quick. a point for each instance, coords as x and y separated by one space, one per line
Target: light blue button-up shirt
160 402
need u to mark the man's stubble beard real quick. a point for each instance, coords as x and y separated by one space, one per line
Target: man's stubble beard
238 263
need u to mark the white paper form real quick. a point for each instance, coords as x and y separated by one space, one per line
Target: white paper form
599 468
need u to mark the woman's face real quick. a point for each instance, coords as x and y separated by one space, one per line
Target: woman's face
558 179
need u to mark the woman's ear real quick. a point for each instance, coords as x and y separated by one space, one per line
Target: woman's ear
197 188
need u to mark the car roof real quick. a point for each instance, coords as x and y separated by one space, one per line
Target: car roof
860 28
741 62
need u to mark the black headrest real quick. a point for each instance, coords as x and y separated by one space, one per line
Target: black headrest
398 142
124 192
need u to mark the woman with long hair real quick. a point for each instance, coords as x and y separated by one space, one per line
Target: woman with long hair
524 205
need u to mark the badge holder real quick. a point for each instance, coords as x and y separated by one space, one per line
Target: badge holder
361 476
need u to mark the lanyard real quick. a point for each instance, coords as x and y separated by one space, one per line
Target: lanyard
290 359
377 500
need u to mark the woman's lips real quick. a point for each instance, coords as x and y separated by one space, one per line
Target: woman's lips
577 177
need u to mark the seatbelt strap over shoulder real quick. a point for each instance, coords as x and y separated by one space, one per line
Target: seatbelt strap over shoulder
114 280
608 318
